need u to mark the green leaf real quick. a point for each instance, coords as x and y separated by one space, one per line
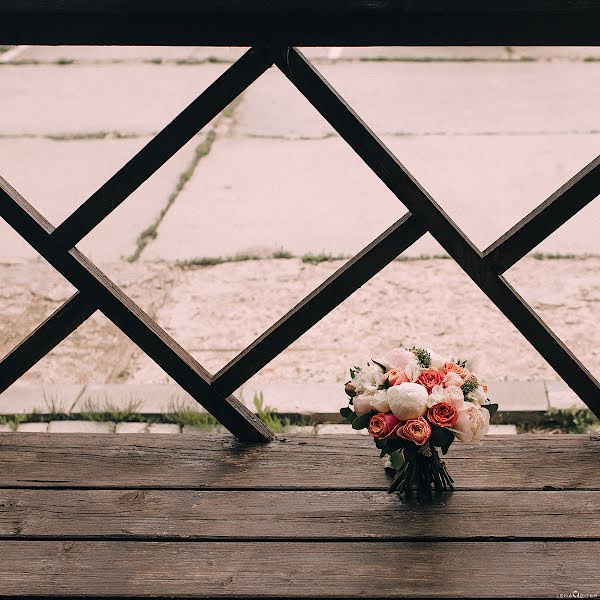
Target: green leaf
397 459
441 438
383 452
379 365
492 408
362 421
348 414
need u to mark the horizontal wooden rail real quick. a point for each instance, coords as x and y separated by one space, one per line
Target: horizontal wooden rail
300 22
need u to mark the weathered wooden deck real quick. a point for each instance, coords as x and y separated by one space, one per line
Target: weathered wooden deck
187 516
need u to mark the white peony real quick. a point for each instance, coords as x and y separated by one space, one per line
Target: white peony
472 424
437 395
478 396
368 379
407 400
379 402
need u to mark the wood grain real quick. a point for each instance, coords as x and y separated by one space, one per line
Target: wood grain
323 462
306 515
299 570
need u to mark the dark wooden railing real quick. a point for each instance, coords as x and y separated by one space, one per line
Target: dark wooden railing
273 28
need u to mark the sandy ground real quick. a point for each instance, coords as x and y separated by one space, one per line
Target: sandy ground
215 311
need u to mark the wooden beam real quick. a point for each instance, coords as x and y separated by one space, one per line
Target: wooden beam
533 229
300 22
58 326
332 292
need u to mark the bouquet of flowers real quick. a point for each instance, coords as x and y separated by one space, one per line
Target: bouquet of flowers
413 403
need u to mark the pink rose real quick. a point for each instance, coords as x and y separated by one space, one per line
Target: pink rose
472 424
452 378
398 358
454 395
417 431
383 425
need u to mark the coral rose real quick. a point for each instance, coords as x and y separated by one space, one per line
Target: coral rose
417 431
397 376
442 414
429 378
383 425
450 367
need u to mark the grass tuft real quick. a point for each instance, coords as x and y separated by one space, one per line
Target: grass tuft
151 231
315 259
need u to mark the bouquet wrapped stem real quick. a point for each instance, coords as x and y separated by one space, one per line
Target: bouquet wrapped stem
423 472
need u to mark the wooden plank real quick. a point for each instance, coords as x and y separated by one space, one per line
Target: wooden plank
130 318
297 462
171 515
566 202
57 327
299 570
332 292
163 146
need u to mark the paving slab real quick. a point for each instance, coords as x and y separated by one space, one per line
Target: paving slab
131 428
57 176
134 99
187 53
562 397
457 53
163 428
80 427
256 196
24 399
32 428
416 98
129 53
519 395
